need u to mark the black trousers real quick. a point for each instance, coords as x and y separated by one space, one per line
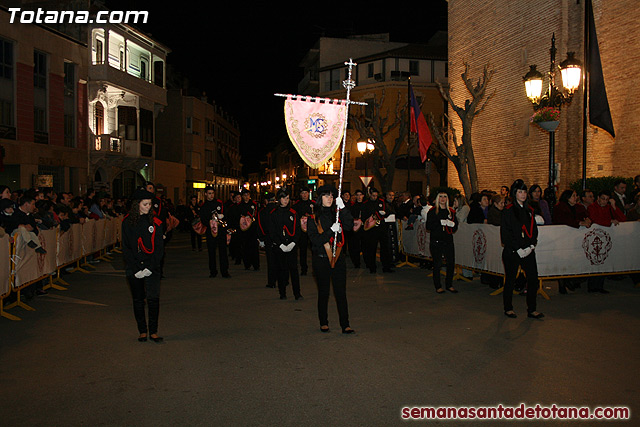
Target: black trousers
220 244
287 265
440 248
325 277
272 269
250 248
370 247
196 238
354 245
529 265
303 244
235 247
147 288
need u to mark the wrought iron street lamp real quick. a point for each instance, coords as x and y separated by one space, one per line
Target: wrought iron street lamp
571 72
364 148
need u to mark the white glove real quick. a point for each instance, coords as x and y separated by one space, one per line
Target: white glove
139 274
261 243
146 272
451 223
539 220
291 246
336 227
339 203
533 248
381 212
283 248
524 252
444 222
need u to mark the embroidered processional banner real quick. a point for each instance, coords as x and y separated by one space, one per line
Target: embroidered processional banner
315 128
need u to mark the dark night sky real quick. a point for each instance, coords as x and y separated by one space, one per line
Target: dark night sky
241 55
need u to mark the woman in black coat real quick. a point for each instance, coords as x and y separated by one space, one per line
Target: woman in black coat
322 232
143 247
519 235
442 223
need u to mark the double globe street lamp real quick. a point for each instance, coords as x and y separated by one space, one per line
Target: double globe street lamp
364 148
571 73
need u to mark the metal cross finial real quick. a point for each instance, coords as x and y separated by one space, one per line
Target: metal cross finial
349 84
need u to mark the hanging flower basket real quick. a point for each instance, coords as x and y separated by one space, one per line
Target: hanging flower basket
549 126
547 118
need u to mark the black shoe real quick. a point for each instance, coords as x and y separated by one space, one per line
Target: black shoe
213 274
256 268
226 275
299 297
348 330
452 290
324 328
142 339
603 291
283 297
156 339
510 314
271 286
440 291
562 290
41 292
535 315
388 270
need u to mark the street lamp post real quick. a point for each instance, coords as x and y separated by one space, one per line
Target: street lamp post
571 72
364 148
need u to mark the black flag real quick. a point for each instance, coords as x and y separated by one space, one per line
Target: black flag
599 112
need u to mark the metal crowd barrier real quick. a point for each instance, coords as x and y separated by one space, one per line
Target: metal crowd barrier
21 265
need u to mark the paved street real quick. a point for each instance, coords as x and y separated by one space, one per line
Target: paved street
234 354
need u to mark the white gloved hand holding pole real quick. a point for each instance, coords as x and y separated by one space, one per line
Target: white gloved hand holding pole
336 227
339 203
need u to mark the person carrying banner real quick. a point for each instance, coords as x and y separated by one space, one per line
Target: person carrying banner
213 211
304 208
143 249
329 269
442 224
519 236
285 233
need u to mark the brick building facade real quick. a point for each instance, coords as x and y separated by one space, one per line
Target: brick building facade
506 38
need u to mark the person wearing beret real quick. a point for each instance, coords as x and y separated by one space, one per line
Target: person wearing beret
519 236
143 248
355 240
211 208
249 237
264 238
285 233
304 207
329 269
